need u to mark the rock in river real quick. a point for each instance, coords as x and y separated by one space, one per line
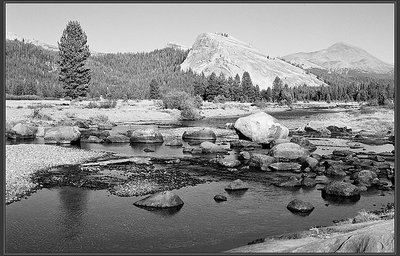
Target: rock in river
364 178
289 151
21 132
261 128
341 189
304 143
199 135
260 160
297 205
237 185
146 136
283 166
209 147
62 135
117 138
220 198
165 199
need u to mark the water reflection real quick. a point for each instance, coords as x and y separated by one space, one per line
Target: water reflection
73 208
336 200
164 212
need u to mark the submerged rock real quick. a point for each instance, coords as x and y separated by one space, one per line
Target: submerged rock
297 205
117 138
62 135
146 136
237 185
209 147
165 199
173 142
291 181
260 128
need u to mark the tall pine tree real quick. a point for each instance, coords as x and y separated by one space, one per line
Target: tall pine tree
73 52
154 90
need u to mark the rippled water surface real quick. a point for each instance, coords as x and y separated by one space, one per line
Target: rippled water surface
68 219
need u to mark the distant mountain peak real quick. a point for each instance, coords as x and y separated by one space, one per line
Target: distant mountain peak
222 53
340 57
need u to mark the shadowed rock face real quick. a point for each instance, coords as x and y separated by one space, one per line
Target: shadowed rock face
217 53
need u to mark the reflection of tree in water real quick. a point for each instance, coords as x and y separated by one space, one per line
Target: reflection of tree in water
72 210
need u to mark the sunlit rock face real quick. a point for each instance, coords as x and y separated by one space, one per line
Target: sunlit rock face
218 52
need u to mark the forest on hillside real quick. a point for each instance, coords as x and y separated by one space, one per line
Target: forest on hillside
33 70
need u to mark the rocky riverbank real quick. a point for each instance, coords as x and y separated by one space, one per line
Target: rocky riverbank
22 161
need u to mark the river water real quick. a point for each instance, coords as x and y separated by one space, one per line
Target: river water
72 220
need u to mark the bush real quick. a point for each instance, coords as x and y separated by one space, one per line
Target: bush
39 105
198 101
219 99
38 115
22 97
100 119
189 112
175 100
260 104
364 216
102 104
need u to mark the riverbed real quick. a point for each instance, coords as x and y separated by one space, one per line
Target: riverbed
71 219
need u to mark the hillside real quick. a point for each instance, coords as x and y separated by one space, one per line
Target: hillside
341 58
32 69
217 52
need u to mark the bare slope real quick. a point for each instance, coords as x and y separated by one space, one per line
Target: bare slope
339 57
216 52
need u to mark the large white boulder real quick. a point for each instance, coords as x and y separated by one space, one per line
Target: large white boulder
261 128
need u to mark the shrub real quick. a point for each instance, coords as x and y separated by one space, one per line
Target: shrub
175 100
70 114
22 97
219 99
189 112
260 104
38 115
364 216
100 119
39 105
92 104
198 101
103 104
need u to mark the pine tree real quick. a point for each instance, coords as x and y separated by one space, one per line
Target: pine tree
277 89
211 89
247 87
154 90
73 52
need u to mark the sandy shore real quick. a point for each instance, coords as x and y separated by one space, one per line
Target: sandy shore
24 160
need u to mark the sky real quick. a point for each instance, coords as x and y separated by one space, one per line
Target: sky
274 29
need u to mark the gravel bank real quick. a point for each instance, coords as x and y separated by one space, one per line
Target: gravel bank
24 160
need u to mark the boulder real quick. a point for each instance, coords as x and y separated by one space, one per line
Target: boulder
310 162
117 138
105 126
261 128
322 179
199 135
291 181
209 147
283 166
304 143
339 131
297 205
244 155
341 189
228 162
317 128
289 151
41 130
62 135
261 160
92 139
277 142
23 132
364 178
146 136
83 123
165 199
220 198
308 182
237 185
244 144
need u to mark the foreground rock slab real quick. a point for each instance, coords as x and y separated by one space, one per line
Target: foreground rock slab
370 237
289 151
165 199
261 128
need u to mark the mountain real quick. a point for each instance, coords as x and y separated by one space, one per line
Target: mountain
341 58
220 52
176 46
12 36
